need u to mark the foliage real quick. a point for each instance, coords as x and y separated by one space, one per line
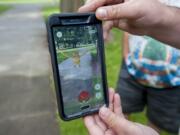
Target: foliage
113 52
74 37
47 11
4 8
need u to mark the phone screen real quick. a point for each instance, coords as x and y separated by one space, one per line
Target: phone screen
79 66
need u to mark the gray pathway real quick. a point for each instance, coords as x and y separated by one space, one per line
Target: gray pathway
27 103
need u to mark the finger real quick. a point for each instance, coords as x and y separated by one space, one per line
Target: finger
118 11
110 132
91 125
117 105
108 25
92 5
89 121
100 123
117 123
122 24
111 98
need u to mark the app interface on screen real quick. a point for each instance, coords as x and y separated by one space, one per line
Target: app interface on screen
79 68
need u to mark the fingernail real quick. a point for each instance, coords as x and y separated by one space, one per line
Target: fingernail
102 13
104 112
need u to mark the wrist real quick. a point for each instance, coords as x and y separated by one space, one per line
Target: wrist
167 29
170 20
163 20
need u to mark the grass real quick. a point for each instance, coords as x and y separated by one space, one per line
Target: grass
47 11
113 52
4 8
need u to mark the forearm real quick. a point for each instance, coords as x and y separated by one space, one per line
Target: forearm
168 30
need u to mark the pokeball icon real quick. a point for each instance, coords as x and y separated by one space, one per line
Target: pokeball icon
84 96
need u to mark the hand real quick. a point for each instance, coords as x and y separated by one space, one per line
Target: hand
92 5
111 121
94 123
134 16
140 17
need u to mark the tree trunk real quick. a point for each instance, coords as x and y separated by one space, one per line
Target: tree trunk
70 5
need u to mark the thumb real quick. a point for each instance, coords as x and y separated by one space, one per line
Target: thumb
117 123
114 12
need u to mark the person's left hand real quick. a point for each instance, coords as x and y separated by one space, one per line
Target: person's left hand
111 121
94 123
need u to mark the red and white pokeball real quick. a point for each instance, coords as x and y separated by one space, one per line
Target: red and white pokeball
84 96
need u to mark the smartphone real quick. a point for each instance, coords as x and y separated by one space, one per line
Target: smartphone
77 54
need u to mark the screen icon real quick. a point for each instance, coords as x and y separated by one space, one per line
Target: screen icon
59 34
98 95
84 96
97 86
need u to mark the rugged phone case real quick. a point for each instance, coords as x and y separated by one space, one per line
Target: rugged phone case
67 20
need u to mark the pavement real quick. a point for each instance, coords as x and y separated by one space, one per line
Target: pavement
27 101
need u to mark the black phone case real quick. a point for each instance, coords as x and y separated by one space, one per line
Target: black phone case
74 19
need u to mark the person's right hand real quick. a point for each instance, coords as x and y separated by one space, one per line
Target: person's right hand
140 17
111 121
